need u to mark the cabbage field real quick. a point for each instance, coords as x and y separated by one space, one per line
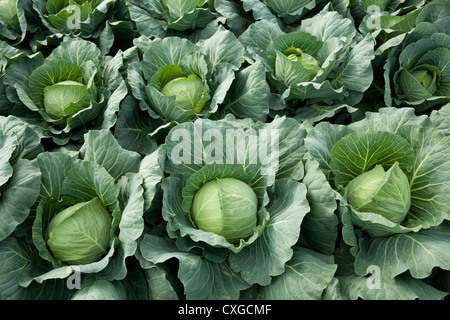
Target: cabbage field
224 150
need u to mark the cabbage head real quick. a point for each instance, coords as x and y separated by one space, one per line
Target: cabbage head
80 234
227 207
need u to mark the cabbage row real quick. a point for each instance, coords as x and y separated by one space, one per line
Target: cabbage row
212 150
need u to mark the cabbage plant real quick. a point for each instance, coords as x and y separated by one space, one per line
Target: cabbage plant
164 18
391 172
83 17
89 213
416 73
69 89
388 21
190 81
226 214
324 61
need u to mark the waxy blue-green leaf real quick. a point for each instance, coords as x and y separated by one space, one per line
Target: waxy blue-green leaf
159 282
131 225
429 177
441 119
402 287
416 252
357 153
101 147
202 279
321 139
307 275
8 144
18 195
319 228
291 10
133 127
257 37
355 73
248 95
15 254
223 47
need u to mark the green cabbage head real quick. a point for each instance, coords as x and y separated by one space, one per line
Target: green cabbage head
387 193
65 98
80 234
188 91
306 62
227 207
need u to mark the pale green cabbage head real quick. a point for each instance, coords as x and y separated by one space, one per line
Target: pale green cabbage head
188 91
387 193
65 98
227 207
80 234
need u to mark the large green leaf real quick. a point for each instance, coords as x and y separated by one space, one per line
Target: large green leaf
359 152
14 253
28 137
190 14
355 73
167 51
202 279
18 195
131 288
151 169
87 180
77 51
321 139
417 253
131 225
248 95
441 119
291 11
270 149
257 37
8 144
401 288
223 47
133 127
430 176
319 229
101 147
54 167
390 120
327 25
160 288
307 275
